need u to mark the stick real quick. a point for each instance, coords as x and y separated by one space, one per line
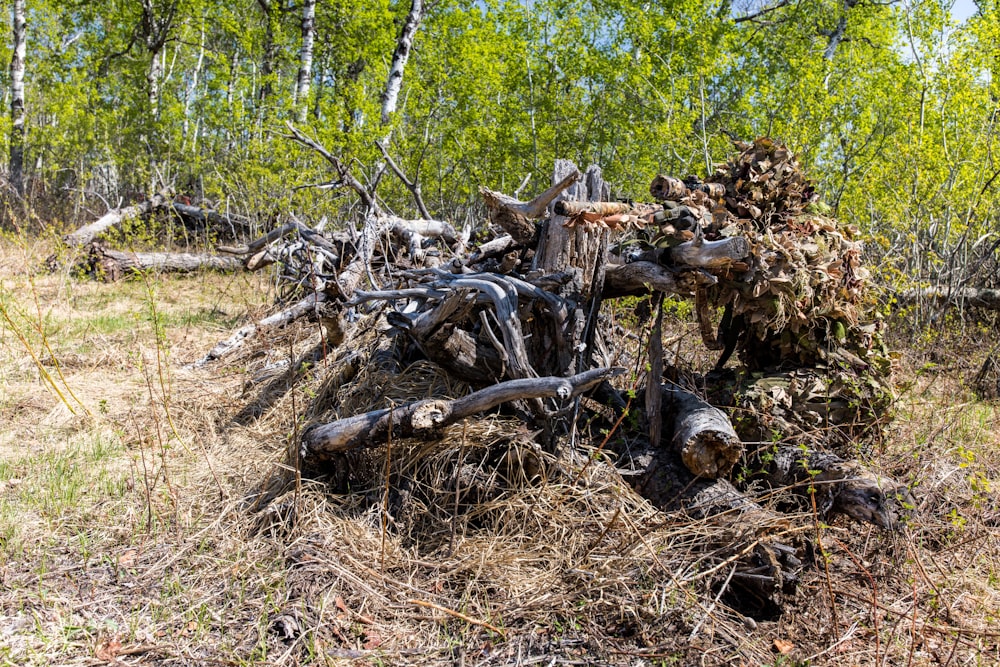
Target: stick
458 615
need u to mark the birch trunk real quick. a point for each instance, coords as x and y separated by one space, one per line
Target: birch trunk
17 98
399 57
301 98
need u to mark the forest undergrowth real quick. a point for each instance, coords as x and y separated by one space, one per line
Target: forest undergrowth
126 536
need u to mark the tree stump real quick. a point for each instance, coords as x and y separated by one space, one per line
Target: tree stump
578 255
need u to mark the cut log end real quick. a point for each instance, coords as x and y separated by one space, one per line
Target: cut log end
712 453
430 415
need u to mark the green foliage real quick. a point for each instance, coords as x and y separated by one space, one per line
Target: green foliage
890 106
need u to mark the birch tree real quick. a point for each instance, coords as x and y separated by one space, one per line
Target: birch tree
300 99
17 98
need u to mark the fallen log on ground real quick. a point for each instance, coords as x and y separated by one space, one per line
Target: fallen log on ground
307 306
112 265
115 217
702 434
988 299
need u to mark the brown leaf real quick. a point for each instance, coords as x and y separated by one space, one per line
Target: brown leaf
783 646
108 650
374 640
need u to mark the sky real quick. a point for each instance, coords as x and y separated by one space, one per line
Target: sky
963 9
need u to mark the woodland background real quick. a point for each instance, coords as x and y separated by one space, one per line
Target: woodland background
892 106
125 533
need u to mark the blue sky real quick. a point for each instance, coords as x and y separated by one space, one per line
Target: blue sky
963 9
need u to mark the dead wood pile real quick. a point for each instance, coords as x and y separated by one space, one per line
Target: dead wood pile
513 332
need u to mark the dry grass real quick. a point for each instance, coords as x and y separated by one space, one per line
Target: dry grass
126 535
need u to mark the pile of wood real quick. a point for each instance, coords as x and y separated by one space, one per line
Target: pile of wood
516 325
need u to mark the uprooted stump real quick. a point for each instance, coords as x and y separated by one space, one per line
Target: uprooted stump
513 332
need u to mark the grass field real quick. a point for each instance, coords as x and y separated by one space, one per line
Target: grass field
125 537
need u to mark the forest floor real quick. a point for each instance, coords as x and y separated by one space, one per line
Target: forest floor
125 537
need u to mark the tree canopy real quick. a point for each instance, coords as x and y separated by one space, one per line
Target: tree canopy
891 104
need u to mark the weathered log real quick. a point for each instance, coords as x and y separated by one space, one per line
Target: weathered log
494 248
501 291
710 254
426 418
306 306
115 217
208 217
360 266
642 277
515 217
840 486
702 434
454 349
562 345
112 265
414 232
765 569
259 255
988 299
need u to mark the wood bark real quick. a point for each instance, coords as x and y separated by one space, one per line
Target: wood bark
516 217
404 44
115 217
309 305
564 345
17 65
113 265
300 99
702 434
426 418
988 299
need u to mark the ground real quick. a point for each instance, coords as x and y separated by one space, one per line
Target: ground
126 535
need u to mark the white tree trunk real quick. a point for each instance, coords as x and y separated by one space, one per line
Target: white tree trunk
193 85
399 57
17 98
301 98
153 77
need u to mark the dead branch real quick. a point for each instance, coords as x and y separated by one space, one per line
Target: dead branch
413 186
515 216
426 418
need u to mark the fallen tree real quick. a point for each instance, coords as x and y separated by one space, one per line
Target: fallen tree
224 225
116 217
112 265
